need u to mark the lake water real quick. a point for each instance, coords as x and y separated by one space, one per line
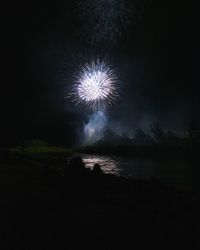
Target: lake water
176 172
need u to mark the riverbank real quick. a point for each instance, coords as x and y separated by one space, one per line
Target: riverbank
44 207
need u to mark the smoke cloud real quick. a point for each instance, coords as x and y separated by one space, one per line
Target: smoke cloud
94 129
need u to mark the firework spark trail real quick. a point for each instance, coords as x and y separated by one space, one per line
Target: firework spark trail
94 86
105 20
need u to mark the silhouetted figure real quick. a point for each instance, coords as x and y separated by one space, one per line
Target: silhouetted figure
77 163
97 181
76 177
97 169
76 168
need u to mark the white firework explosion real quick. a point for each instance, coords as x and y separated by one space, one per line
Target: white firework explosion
95 86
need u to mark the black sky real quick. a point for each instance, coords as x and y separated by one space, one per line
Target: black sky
157 60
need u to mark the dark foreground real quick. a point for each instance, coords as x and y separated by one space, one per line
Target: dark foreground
51 205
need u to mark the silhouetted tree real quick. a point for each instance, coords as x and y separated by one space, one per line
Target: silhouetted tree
141 138
110 137
194 132
171 138
125 140
157 132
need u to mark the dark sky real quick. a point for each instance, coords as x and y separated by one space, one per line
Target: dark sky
157 60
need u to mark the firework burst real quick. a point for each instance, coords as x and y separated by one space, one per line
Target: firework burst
95 86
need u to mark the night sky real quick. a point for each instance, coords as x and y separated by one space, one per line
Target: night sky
156 56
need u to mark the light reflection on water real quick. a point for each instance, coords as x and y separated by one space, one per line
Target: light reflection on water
108 165
127 167
178 172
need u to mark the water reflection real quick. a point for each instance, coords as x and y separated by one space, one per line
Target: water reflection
181 173
127 167
108 165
